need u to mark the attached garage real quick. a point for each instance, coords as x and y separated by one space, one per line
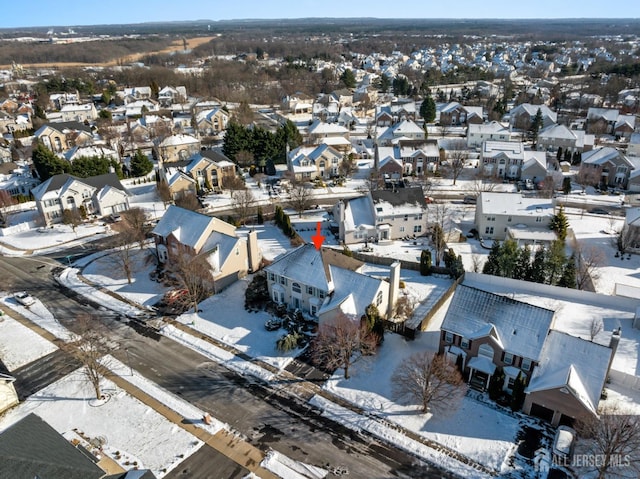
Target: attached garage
542 412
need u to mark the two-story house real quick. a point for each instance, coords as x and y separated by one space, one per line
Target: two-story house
230 257
521 117
82 113
559 136
407 157
59 137
177 147
477 134
325 282
455 114
382 216
506 159
608 167
497 212
307 163
404 130
169 96
332 134
100 195
212 121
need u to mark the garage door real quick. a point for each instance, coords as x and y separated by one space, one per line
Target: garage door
542 412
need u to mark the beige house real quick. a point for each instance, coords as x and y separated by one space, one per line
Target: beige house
8 395
212 122
330 134
101 195
608 167
178 147
229 256
496 212
307 163
59 137
569 380
82 113
325 283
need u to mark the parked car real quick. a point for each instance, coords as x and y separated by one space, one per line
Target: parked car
24 298
599 211
563 442
470 200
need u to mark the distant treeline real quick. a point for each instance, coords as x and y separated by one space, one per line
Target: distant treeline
98 51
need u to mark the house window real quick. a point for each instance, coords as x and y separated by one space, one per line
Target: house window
310 290
71 200
510 382
314 310
379 298
406 217
448 337
508 358
296 288
488 230
402 229
283 280
464 343
419 217
538 219
417 229
526 364
509 219
272 277
321 294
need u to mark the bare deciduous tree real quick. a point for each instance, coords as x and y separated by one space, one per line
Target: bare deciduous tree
242 202
300 198
123 254
233 184
72 217
595 327
457 155
341 342
188 200
587 177
431 380
135 220
404 307
588 261
440 228
348 165
193 274
614 438
89 345
483 182
164 192
628 237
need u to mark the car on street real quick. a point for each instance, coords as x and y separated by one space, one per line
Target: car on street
470 200
24 298
598 211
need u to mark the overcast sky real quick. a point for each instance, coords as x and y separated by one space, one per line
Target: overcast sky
15 13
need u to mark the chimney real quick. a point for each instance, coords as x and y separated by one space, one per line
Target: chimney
394 286
253 252
613 344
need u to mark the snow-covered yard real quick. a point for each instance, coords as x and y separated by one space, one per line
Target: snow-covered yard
19 345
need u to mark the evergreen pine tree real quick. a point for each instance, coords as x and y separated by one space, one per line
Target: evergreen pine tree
560 224
568 279
554 264
537 270
492 266
522 266
425 262
496 383
517 395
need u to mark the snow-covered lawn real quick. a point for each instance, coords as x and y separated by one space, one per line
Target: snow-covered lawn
44 240
475 430
271 241
19 345
224 318
131 428
38 314
105 271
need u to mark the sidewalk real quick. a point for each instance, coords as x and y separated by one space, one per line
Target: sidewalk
306 390
225 442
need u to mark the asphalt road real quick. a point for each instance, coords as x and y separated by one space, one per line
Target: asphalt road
265 414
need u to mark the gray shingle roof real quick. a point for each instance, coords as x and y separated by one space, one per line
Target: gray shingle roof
31 448
521 327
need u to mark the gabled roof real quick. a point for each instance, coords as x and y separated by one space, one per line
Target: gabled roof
578 365
187 226
58 182
557 132
356 289
608 114
600 156
358 212
401 196
32 448
520 327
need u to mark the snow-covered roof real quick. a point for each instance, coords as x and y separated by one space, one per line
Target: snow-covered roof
514 204
175 140
490 128
576 364
358 212
600 156
304 265
513 149
225 243
356 289
557 132
187 226
521 327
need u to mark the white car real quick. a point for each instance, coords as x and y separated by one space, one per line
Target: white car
24 298
563 442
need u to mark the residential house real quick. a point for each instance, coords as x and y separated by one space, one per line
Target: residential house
625 126
298 103
324 283
31 448
180 182
483 331
9 123
81 113
602 121
633 148
608 167
307 163
17 180
139 108
407 157
177 147
631 229
569 380
397 111
497 212
382 216
521 117
505 159
477 134
229 256
59 137
8 395
330 134
100 195
559 136
90 151
212 122
404 130
136 93
455 114
169 96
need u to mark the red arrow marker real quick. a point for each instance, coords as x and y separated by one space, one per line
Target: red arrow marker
318 239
